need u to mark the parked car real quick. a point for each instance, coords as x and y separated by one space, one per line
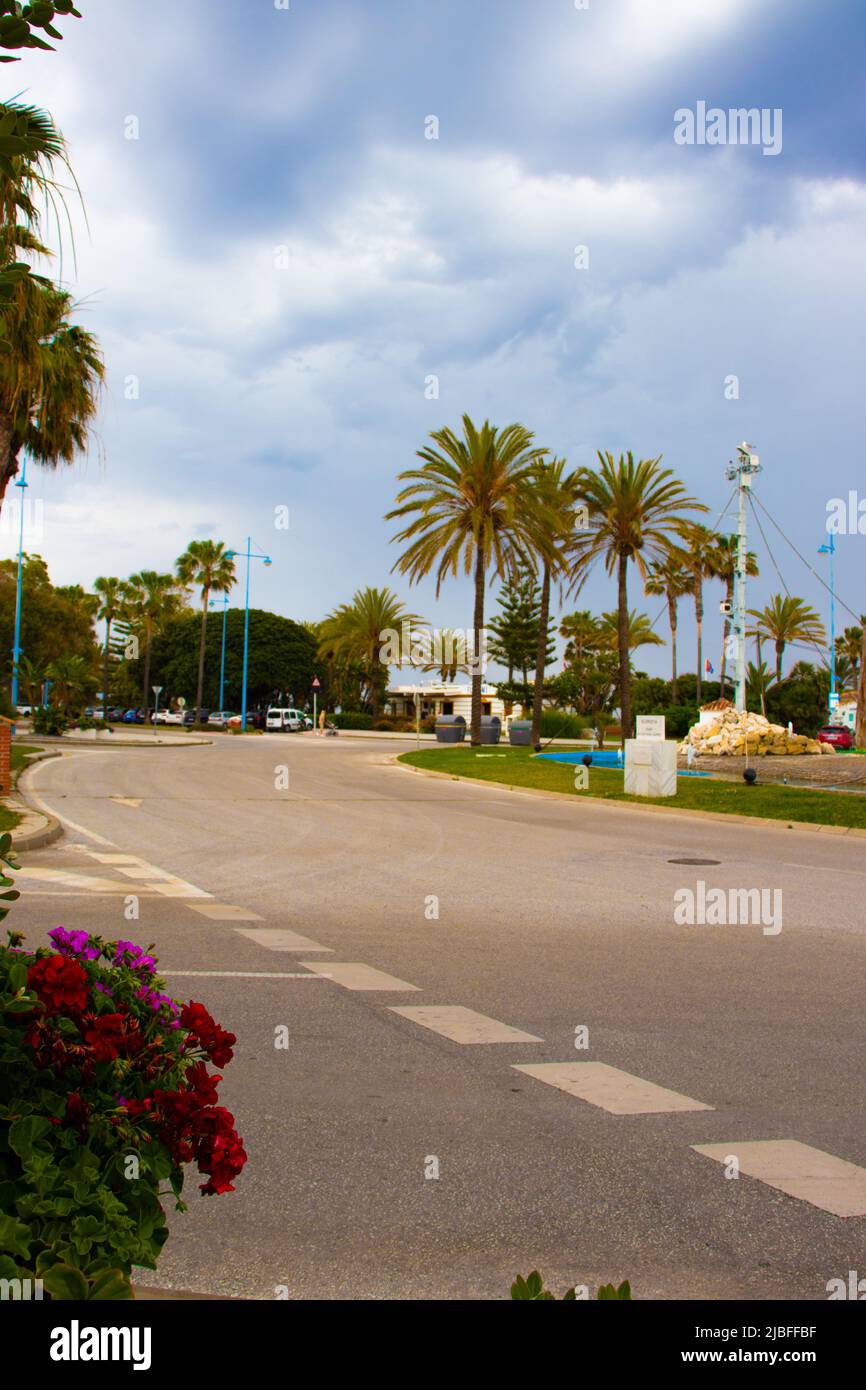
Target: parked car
838 734
134 716
116 716
221 718
256 719
25 711
94 712
189 716
171 716
285 720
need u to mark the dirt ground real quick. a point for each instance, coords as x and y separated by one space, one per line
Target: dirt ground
804 769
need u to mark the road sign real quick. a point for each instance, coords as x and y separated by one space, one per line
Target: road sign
834 699
157 689
181 702
317 684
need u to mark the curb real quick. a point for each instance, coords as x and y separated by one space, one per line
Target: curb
38 828
720 817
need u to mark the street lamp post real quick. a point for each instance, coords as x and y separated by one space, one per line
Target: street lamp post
215 603
250 555
16 649
741 473
831 551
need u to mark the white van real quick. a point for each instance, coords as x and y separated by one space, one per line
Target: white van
285 720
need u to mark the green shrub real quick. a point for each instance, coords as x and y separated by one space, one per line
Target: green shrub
532 1290
352 719
49 721
556 724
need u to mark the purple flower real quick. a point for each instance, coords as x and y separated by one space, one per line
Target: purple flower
129 954
73 943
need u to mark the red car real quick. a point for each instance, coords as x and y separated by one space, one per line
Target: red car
838 735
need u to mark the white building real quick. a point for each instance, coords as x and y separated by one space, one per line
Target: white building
441 698
846 710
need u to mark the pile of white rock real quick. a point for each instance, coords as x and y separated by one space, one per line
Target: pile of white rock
730 733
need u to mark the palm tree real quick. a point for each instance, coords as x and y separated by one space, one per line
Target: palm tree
759 679
669 577
726 569
702 563
110 592
448 654
559 491
50 380
356 631
474 500
787 619
632 509
850 645
639 631
581 633
149 600
30 678
207 564
71 679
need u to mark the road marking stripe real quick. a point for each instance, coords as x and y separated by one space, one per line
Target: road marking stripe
355 975
610 1089
280 940
464 1025
811 1175
133 801
240 975
226 912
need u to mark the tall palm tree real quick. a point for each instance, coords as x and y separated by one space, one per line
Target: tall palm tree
149 600
208 565
581 633
110 592
474 501
787 619
668 577
559 491
639 631
702 563
726 570
633 507
50 381
356 631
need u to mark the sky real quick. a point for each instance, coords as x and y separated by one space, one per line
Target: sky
279 260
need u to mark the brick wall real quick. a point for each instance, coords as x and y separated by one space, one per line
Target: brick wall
5 758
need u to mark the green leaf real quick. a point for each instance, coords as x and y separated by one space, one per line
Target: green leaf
15 1236
18 977
112 1284
25 1135
65 1282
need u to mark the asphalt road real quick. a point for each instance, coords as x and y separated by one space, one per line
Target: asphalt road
552 916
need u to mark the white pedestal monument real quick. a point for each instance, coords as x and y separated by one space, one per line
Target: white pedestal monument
650 760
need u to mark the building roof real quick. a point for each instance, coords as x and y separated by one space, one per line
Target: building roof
718 704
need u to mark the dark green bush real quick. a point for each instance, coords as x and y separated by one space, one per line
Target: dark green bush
352 719
50 721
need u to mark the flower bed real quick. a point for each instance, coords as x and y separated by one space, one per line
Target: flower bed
105 1097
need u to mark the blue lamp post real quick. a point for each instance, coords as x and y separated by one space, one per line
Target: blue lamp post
250 555
831 551
16 649
224 604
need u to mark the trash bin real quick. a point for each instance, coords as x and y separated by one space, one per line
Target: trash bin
491 727
520 733
450 728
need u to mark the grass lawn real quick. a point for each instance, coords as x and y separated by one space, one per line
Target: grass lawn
21 757
517 767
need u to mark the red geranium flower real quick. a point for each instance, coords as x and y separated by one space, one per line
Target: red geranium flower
111 1035
59 983
215 1041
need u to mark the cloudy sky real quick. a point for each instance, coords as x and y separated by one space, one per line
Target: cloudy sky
282 259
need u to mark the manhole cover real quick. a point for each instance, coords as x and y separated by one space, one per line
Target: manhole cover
706 862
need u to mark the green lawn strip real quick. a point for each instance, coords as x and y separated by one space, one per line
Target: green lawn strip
516 767
21 755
